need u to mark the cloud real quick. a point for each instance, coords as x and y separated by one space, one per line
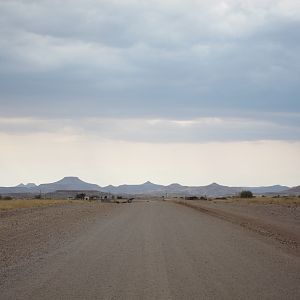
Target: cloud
151 71
165 59
206 129
115 91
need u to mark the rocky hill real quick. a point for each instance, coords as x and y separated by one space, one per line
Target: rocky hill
147 188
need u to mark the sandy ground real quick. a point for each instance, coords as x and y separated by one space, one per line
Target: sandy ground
143 250
278 222
26 234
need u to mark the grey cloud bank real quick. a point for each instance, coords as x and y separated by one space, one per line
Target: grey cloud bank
172 61
156 130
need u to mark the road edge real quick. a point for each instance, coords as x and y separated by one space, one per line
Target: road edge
287 239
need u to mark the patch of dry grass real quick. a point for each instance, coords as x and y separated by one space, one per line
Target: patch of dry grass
263 200
29 203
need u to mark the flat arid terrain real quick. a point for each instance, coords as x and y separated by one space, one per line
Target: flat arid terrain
171 249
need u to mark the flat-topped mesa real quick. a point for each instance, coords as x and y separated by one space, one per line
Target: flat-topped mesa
68 183
70 179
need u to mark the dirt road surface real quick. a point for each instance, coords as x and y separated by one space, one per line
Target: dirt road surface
143 250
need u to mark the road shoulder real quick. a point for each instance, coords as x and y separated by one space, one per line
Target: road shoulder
267 221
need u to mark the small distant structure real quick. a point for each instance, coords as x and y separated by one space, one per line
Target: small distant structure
79 195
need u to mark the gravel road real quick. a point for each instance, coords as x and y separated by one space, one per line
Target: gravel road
149 250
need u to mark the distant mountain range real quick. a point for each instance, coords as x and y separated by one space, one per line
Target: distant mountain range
175 189
292 191
67 183
147 188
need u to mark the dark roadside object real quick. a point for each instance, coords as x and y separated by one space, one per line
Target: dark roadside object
130 200
246 194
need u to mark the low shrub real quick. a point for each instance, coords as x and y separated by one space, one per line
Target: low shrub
80 196
246 194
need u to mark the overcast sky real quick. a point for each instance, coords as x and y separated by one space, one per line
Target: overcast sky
126 91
